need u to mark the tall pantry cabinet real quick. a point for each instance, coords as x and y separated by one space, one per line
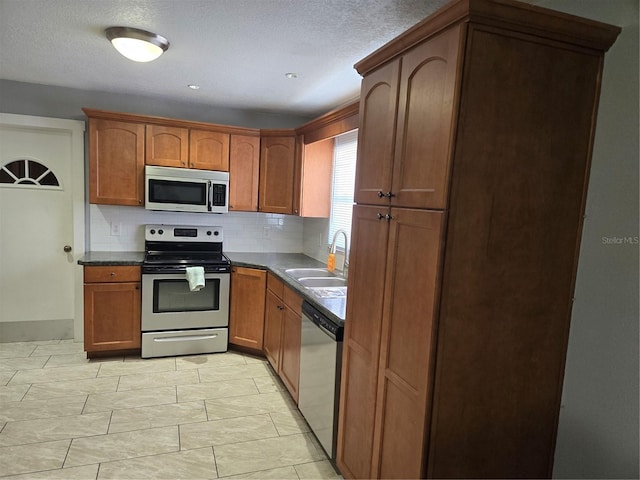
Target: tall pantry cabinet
476 130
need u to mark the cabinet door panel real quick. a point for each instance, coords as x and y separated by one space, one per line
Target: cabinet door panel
116 162
167 146
378 107
273 329
244 170
361 345
408 332
291 341
246 320
208 150
277 162
425 122
112 316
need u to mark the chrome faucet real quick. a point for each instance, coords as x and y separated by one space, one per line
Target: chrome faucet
332 249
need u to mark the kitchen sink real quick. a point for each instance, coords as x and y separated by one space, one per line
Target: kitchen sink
323 281
320 282
298 273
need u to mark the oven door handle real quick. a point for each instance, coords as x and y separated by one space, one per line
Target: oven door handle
186 337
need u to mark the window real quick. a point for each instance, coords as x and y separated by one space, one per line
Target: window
27 173
344 174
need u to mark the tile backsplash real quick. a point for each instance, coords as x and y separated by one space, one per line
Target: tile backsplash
120 228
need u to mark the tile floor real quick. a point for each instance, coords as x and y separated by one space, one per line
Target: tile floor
194 417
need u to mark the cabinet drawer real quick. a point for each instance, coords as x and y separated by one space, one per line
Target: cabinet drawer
107 274
275 285
293 300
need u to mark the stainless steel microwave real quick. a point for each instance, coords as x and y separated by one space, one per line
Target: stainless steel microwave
186 190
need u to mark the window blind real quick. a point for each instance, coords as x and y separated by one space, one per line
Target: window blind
344 174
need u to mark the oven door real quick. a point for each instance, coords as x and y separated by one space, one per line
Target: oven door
168 304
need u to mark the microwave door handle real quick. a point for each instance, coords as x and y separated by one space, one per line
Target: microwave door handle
209 195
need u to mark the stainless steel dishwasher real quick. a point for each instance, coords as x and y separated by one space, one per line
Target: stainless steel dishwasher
320 364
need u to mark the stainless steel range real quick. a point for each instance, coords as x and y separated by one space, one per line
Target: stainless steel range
177 319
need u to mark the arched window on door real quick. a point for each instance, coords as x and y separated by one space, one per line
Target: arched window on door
25 172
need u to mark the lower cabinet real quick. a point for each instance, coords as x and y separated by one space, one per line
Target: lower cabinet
282 328
112 304
246 321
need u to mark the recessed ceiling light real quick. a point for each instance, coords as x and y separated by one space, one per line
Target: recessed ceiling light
291 75
194 87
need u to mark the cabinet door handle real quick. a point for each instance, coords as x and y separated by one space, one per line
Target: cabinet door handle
380 216
389 194
388 217
381 194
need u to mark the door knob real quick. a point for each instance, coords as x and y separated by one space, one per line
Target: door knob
67 248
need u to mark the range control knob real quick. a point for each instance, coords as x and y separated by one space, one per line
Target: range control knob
152 231
216 233
209 232
160 232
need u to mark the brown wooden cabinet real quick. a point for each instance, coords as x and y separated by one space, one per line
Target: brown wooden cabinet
208 150
246 321
167 146
409 108
244 173
282 330
314 182
456 331
116 162
187 148
112 305
277 164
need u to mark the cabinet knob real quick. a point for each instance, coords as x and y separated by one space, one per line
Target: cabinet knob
389 194
380 216
380 194
67 248
113 274
388 217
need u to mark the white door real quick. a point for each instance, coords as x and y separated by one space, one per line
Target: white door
41 224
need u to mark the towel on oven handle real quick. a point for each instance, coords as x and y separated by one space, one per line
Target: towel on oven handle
195 277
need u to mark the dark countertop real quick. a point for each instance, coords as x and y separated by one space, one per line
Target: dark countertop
277 263
112 258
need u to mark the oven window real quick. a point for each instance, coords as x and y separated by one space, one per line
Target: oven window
170 191
175 296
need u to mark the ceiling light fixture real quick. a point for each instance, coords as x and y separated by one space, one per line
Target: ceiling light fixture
137 45
193 87
291 75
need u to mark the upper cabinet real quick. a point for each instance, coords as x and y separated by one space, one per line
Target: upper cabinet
315 145
187 148
208 150
167 146
277 163
282 171
116 162
244 173
408 104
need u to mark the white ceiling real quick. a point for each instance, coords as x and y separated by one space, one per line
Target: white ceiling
237 51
